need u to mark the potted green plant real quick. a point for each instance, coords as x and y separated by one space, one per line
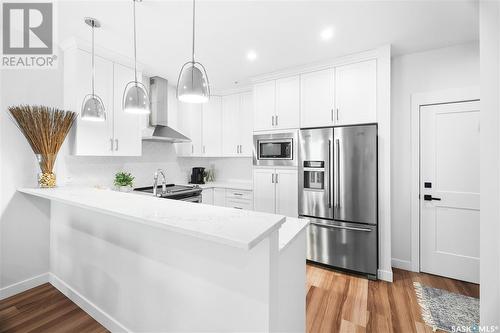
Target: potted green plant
124 181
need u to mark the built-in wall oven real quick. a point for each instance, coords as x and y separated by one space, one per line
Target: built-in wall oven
275 149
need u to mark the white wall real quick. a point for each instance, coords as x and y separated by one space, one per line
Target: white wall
490 163
445 68
24 224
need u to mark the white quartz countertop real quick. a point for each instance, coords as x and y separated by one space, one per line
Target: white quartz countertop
290 229
232 227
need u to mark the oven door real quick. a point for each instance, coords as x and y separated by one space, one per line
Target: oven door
277 149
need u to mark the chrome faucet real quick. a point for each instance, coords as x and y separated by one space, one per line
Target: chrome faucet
163 182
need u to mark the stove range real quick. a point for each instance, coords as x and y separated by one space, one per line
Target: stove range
175 192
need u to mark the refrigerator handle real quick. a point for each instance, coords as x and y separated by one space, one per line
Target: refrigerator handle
337 185
340 227
330 164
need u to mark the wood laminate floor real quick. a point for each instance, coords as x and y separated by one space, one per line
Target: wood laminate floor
336 302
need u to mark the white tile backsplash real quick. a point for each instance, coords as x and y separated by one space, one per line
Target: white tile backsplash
99 171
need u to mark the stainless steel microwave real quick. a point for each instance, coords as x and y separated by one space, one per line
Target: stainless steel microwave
275 149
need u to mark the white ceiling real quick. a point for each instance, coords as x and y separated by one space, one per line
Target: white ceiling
282 33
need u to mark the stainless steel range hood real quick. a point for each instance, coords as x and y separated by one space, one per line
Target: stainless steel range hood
159 129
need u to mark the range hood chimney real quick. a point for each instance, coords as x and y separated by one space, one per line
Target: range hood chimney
158 129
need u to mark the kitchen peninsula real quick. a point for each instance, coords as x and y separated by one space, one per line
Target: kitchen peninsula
140 263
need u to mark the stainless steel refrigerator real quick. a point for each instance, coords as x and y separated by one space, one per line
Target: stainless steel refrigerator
338 193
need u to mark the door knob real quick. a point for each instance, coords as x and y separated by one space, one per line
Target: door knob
428 197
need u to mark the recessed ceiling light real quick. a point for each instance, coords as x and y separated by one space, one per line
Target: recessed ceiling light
251 55
327 33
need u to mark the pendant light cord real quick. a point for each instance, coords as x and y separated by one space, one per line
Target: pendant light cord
194 13
135 48
93 64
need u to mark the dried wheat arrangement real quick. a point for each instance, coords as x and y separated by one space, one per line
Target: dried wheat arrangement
45 128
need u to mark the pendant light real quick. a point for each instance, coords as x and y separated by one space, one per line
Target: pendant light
92 106
192 84
135 96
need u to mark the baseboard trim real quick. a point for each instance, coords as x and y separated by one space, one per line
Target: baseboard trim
21 286
93 310
401 264
385 275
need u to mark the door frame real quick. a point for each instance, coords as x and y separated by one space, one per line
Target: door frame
417 101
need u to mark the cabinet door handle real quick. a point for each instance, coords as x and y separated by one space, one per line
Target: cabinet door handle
276 178
276 121
337 114
111 147
241 149
331 114
272 120
272 178
116 144
192 149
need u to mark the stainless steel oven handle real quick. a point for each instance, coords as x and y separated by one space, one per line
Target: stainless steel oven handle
340 227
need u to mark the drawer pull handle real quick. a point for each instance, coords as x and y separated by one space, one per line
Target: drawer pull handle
237 207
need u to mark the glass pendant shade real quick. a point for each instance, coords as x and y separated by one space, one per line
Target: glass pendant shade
192 86
135 98
93 108
92 105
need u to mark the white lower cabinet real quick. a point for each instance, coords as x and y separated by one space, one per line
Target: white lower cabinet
220 197
225 197
207 196
276 191
264 190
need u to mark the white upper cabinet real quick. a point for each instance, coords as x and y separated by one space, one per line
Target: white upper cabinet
316 99
277 104
287 103
119 134
230 120
190 119
264 105
356 93
246 124
212 127
127 127
237 125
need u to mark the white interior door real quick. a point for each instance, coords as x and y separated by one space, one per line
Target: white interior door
449 190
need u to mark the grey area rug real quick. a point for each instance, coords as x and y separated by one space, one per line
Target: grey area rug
444 310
